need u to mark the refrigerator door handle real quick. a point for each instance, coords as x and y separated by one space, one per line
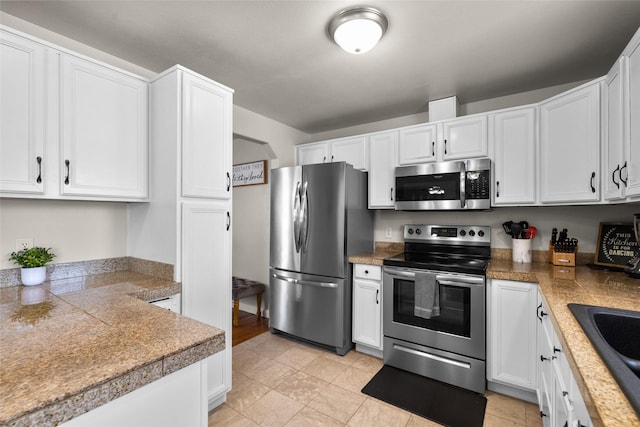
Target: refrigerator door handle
296 217
304 282
304 217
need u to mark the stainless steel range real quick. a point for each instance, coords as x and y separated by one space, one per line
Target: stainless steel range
434 304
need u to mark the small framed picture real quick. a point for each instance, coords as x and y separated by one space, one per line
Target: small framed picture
250 173
616 244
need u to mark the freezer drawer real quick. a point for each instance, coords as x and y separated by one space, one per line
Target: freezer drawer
314 308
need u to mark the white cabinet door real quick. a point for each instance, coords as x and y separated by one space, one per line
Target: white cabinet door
465 138
570 146
206 280
632 170
417 144
513 137
512 332
22 112
309 154
104 131
352 150
382 155
206 139
367 305
614 131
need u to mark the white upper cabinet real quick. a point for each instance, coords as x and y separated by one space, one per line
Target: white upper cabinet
465 138
513 149
631 173
353 150
613 122
570 146
72 128
417 144
206 139
22 112
382 162
308 154
104 131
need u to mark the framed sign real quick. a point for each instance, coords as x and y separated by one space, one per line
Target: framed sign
250 173
616 244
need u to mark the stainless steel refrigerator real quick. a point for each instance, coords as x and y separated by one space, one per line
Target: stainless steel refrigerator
319 217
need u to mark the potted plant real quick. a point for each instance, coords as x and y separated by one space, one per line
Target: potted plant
32 261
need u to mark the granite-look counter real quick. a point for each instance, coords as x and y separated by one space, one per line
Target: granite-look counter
89 340
606 403
560 286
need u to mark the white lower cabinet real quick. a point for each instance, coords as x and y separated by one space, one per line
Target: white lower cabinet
559 398
511 358
367 308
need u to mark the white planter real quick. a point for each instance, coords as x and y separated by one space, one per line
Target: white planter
33 276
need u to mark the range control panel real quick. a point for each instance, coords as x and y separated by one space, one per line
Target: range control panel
448 233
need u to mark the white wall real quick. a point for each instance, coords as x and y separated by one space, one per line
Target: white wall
74 230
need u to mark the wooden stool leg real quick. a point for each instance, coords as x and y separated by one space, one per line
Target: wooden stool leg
236 308
259 301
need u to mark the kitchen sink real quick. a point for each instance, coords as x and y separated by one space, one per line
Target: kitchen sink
615 334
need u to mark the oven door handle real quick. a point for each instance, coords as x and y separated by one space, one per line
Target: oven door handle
402 273
465 281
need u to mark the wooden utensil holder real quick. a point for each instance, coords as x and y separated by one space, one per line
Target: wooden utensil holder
567 259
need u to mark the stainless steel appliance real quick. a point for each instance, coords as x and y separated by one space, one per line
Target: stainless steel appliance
434 304
633 266
319 217
456 185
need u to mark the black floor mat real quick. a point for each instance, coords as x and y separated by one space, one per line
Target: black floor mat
440 402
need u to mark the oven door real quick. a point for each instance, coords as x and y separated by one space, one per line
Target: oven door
459 327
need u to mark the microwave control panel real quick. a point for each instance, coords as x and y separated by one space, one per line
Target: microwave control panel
477 184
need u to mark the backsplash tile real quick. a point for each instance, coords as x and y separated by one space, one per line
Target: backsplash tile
11 276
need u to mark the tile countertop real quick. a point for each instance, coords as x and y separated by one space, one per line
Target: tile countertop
605 401
88 341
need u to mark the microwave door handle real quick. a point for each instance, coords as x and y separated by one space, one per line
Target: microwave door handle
463 175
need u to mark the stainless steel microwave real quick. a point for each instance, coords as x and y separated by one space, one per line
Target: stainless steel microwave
458 185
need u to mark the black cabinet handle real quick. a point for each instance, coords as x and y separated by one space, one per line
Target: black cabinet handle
366 272
624 181
542 414
391 194
497 188
39 178
324 159
593 175
228 220
445 146
433 148
556 350
542 358
377 293
613 176
66 179
332 158
228 181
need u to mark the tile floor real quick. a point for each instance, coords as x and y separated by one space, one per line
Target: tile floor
281 382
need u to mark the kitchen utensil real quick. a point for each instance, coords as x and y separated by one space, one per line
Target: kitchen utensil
554 235
507 227
531 232
516 228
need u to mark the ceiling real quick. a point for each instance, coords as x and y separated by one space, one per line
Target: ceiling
278 58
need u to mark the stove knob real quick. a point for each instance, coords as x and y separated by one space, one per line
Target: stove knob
418 231
481 233
463 233
410 231
472 233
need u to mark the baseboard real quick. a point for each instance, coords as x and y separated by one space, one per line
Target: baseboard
361 348
518 393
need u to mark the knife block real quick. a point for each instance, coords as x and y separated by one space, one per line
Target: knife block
568 259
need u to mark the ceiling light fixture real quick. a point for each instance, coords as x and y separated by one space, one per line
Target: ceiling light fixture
359 29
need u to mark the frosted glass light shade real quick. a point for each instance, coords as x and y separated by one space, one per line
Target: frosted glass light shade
358 30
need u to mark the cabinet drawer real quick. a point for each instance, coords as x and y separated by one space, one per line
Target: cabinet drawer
364 271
